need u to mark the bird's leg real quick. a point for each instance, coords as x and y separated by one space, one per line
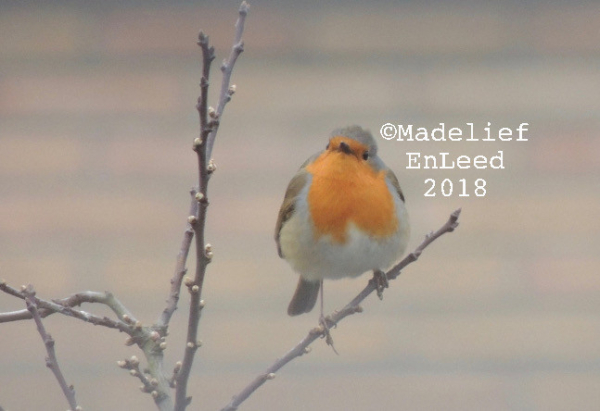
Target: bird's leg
323 322
381 282
322 317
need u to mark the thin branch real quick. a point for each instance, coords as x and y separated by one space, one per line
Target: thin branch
153 346
133 365
64 306
21 315
162 323
197 222
51 361
227 68
332 320
173 379
203 147
150 341
208 55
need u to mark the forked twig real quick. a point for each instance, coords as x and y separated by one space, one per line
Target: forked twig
209 124
51 361
151 339
65 306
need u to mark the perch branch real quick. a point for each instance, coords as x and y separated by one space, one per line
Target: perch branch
332 320
51 361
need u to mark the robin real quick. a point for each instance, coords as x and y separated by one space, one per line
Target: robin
343 214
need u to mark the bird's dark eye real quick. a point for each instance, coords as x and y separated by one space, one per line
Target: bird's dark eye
366 155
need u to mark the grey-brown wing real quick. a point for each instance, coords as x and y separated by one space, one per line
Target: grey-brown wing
289 202
392 177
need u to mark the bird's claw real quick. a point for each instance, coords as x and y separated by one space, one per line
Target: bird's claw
326 332
381 282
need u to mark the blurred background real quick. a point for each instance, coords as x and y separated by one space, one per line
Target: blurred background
97 120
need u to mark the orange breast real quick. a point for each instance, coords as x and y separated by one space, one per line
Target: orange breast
345 189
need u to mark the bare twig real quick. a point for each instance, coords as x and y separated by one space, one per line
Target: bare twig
64 306
163 321
147 338
332 320
51 361
133 365
227 68
21 315
197 222
203 147
151 339
173 379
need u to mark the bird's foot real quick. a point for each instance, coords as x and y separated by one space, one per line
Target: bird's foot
324 323
381 282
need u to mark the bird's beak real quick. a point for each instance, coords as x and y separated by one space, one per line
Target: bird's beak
344 148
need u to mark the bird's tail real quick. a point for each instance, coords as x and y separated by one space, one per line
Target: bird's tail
304 298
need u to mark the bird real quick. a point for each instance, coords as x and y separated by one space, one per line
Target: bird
343 214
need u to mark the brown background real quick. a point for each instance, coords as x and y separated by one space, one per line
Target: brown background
96 124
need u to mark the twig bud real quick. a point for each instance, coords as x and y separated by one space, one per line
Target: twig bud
271 376
211 167
134 373
3 282
138 325
154 336
126 319
192 219
178 366
154 382
199 343
318 330
208 251
197 143
307 350
199 197
122 364
202 304
195 289
190 344
134 360
163 345
154 394
202 37
232 89
188 281
211 112
129 341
